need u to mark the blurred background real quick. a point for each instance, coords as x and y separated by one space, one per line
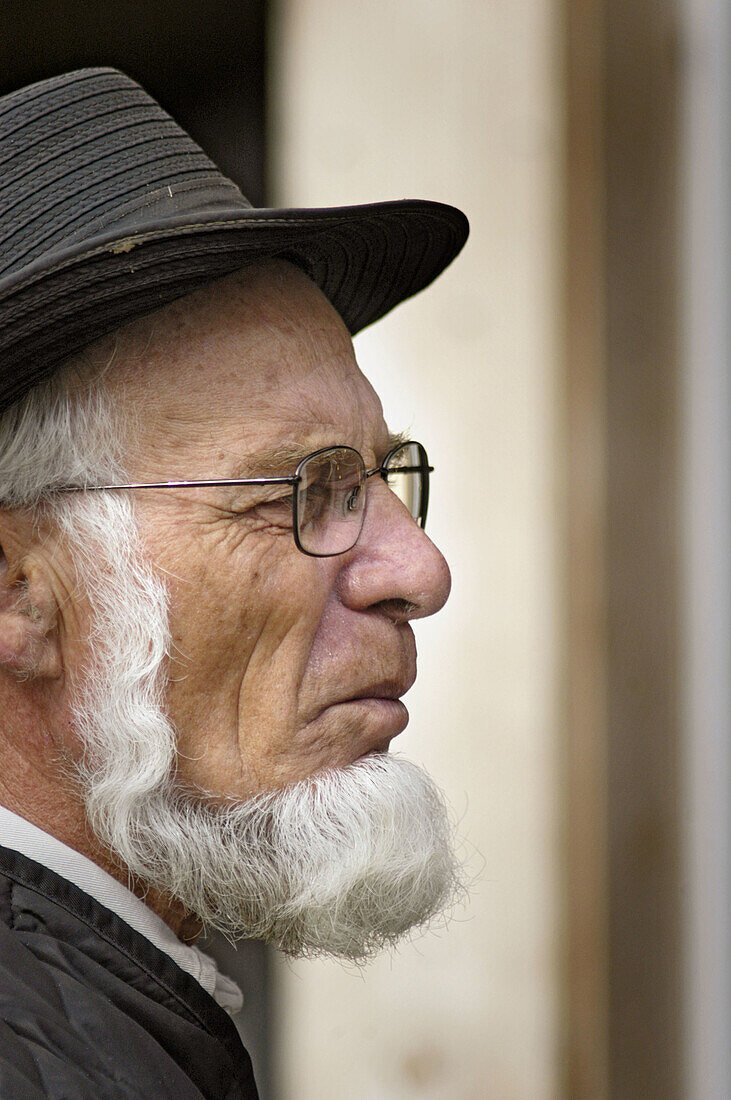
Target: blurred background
570 378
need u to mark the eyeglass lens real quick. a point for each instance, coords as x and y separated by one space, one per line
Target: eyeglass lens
330 502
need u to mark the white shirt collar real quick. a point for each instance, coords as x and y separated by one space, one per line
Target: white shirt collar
24 837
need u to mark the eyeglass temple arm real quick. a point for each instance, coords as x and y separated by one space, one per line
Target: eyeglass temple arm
293 479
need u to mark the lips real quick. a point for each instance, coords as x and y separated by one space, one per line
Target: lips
384 689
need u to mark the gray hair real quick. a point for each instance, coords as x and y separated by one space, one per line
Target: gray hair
62 432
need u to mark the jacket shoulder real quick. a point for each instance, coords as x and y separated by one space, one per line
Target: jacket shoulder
59 1038
89 1010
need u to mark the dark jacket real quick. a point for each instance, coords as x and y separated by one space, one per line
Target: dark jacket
91 1010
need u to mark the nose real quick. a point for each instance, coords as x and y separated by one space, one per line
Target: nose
394 567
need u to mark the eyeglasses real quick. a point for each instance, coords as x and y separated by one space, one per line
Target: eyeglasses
328 500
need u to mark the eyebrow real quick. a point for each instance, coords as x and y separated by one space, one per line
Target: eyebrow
271 462
284 458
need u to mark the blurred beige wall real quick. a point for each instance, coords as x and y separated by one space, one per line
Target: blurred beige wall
457 101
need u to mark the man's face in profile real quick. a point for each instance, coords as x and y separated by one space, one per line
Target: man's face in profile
282 664
283 672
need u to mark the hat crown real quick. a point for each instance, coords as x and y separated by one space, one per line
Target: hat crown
91 152
109 211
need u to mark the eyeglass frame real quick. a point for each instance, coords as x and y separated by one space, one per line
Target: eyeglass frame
294 479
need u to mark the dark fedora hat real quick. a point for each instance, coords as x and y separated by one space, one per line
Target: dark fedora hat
109 210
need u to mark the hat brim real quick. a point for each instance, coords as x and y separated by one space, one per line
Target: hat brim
365 259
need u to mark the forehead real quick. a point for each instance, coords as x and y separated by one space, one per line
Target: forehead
254 360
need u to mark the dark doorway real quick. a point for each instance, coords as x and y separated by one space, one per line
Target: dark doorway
204 60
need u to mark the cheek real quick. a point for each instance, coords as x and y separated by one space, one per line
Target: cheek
240 653
287 612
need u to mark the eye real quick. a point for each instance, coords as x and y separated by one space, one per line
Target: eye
281 503
275 509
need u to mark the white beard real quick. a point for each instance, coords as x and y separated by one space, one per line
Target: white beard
342 863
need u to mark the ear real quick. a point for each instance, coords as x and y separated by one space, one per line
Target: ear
29 646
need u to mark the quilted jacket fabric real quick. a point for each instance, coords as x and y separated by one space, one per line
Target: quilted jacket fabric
91 1010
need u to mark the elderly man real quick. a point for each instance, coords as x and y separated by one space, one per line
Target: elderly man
212 548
